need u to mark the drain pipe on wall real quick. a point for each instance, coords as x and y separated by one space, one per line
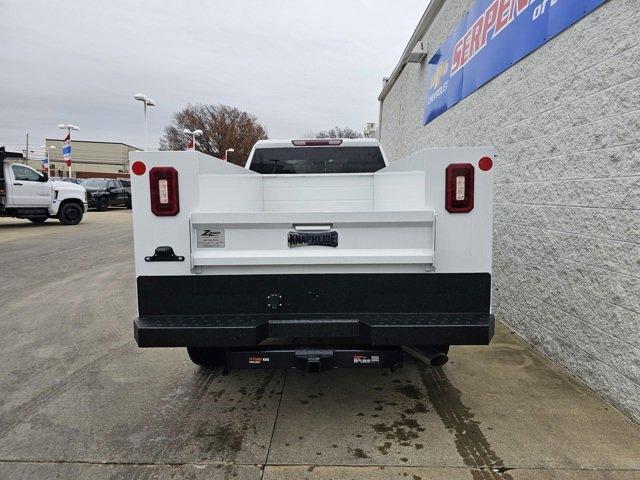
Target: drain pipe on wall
380 102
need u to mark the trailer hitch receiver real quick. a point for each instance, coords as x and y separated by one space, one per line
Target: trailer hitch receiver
314 361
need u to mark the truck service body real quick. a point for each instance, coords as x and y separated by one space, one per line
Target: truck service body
317 254
27 193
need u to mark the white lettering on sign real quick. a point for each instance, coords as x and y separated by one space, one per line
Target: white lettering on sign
163 190
460 188
439 91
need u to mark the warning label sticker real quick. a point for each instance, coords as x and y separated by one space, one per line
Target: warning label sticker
210 236
368 359
254 360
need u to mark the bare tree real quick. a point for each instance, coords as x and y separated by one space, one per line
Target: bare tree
337 132
223 127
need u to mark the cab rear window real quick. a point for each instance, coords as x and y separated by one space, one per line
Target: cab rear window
317 160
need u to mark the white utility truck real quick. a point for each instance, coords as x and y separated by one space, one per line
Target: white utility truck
27 193
318 254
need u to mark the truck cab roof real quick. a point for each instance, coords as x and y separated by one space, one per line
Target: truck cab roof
319 142
11 156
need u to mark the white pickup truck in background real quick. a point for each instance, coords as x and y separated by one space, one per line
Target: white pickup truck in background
317 254
27 193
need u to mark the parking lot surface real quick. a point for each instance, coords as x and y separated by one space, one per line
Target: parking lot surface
80 400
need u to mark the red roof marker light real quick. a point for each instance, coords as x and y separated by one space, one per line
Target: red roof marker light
138 168
485 164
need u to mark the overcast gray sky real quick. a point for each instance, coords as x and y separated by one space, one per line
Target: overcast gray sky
298 65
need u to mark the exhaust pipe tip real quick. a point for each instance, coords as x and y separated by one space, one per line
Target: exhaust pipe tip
438 360
428 355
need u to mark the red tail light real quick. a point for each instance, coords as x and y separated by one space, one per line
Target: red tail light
459 188
163 185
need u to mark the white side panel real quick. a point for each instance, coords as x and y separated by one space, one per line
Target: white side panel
316 193
150 231
400 191
230 193
464 240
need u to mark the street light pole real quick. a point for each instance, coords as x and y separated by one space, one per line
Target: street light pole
226 152
193 136
147 102
68 127
146 128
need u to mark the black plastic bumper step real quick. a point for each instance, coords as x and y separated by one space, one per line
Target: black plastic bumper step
390 329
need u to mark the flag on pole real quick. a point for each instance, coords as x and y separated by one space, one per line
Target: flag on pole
66 149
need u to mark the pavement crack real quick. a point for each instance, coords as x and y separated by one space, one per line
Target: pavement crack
116 463
273 430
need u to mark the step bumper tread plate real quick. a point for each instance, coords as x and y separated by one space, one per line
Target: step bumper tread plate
366 328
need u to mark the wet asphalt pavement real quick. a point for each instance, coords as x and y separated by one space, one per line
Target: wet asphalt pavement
78 399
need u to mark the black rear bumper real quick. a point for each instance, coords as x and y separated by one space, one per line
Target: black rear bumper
365 329
365 309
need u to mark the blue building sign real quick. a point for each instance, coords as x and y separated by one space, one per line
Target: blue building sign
489 39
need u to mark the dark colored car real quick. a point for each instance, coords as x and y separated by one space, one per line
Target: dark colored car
103 193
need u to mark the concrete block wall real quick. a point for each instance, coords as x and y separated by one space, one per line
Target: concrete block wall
566 124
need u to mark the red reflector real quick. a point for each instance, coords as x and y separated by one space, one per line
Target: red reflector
163 187
485 164
138 168
459 188
317 143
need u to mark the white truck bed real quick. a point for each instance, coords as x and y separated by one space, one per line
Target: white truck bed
388 221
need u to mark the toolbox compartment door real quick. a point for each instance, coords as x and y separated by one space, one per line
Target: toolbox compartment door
357 238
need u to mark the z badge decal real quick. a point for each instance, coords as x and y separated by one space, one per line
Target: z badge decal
210 237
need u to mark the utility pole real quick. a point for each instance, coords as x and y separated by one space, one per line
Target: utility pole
26 154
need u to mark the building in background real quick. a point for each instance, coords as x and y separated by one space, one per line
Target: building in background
565 122
370 130
89 159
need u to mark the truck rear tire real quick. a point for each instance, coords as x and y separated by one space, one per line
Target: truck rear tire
70 214
103 204
207 357
37 219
